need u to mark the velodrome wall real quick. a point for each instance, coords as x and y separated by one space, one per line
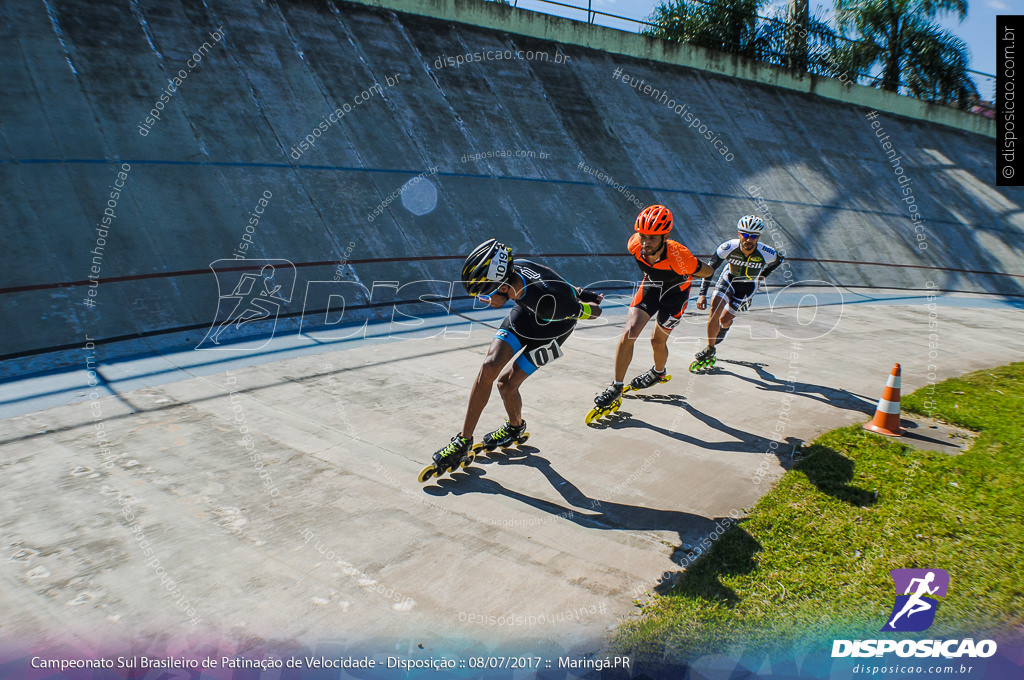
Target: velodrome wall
514 143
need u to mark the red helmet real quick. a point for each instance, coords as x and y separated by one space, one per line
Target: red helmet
656 219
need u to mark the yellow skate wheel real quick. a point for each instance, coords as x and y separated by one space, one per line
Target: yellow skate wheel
615 406
523 438
479 446
426 473
468 460
594 413
666 378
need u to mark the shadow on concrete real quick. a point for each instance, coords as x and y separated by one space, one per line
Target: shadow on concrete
731 554
308 379
831 472
742 440
838 398
580 509
923 441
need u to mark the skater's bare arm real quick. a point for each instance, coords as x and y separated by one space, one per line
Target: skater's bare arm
717 258
703 271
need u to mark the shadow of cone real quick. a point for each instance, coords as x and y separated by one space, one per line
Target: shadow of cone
887 414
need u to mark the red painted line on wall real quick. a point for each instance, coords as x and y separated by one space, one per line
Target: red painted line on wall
428 258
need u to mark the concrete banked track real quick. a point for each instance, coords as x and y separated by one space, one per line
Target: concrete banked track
589 521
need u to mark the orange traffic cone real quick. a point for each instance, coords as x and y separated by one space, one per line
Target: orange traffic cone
887 415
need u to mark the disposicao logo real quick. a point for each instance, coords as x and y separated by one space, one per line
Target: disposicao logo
249 292
914 611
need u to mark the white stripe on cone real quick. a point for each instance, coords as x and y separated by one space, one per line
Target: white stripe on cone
888 406
893 381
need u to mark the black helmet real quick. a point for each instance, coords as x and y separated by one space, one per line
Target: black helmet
487 268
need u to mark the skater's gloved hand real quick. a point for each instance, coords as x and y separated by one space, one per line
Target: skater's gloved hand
589 311
702 302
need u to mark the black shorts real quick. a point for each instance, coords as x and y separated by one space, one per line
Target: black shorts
668 304
736 293
540 343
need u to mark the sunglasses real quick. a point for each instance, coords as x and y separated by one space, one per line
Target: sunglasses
486 299
746 235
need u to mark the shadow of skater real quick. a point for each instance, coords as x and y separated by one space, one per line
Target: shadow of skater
741 440
831 472
580 509
839 398
731 555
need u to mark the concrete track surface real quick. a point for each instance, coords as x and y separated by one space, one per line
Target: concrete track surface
548 545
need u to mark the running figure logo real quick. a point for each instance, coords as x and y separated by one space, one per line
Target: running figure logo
258 289
914 611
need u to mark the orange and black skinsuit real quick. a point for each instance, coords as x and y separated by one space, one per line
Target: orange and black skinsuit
665 289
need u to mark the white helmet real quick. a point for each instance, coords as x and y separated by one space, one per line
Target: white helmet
751 224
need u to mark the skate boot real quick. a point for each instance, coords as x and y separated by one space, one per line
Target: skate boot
448 459
608 402
645 380
703 360
721 335
504 436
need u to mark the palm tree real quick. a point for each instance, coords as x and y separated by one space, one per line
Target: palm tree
726 26
799 40
796 40
899 37
798 14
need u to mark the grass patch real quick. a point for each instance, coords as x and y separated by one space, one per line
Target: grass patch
812 561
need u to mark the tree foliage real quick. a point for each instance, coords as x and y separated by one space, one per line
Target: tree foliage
900 40
893 44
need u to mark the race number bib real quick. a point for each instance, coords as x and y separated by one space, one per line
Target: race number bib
498 267
671 322
545 353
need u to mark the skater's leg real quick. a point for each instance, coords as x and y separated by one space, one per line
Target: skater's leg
714 319
635 322
727 318
508 387
498 355
659 342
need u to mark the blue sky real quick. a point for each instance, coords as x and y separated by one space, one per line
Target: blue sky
978 30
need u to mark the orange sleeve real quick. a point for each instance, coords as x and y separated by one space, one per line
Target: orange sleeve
681 259
634 245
